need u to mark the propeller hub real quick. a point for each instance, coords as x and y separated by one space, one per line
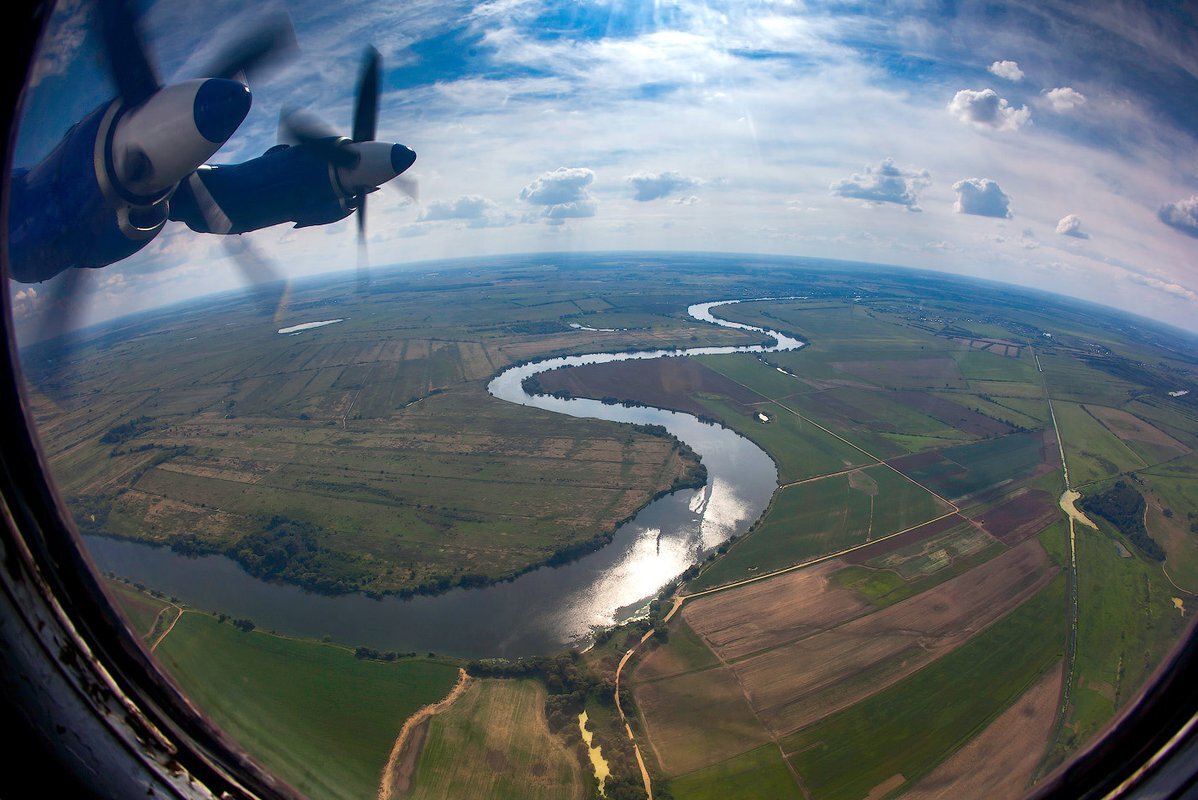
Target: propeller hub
220 106
401 158
178 128
374 164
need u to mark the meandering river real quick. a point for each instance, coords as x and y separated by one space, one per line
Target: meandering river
539 611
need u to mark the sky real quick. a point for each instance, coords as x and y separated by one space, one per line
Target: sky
1047 144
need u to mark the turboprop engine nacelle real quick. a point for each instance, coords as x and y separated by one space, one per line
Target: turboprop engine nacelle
103 193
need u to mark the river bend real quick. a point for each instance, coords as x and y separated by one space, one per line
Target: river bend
539 611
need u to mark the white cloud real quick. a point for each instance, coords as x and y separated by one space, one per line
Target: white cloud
1182 215
1167 287
885 183
562 185
981 197
1064 98
654 186
985 109
1007 69
470 207
1071 225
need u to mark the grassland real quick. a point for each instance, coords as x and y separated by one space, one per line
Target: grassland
320 718
494 743
375 435
757 773
1127 625
141 609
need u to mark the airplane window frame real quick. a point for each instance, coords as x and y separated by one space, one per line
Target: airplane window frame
70 667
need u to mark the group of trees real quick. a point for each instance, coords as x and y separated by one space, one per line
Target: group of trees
290 550
1124 507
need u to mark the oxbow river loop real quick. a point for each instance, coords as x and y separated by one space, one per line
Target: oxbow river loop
539 611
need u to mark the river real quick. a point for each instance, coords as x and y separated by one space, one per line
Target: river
540 611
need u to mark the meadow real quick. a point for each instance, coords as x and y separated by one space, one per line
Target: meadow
312 712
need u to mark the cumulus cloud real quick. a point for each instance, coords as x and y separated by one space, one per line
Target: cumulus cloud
981 197
689 200
1182 215
1007 69
1064 98
885 183
25 302
650 186
985 109
476 210
563 193
1071 225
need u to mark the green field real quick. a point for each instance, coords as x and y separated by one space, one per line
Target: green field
1092 452
492 744
141 609
1126 626
967 469
910 727
322 719
824 516
759 773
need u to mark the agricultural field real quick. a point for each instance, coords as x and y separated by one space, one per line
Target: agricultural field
827 515
320 718
912 572
493 743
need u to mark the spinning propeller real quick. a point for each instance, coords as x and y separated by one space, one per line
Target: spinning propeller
159 135
361 163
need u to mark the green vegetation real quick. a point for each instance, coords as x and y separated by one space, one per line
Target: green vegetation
947 702
493 743
1126 626
142 609
757 773
884 587
1124 507
823 516
322 719
1092 452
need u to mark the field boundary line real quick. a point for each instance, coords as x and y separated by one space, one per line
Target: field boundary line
840 438
387 779
817 559
169 628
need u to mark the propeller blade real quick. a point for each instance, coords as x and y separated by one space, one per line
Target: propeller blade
363 267
408 186
362 218
62 305
305 128
258 269
366 103
125 51
267 46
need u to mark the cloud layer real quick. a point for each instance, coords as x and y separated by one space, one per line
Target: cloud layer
981 197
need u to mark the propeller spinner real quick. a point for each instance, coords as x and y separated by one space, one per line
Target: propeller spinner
362 164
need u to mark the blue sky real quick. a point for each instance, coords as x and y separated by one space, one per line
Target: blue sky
1047 144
